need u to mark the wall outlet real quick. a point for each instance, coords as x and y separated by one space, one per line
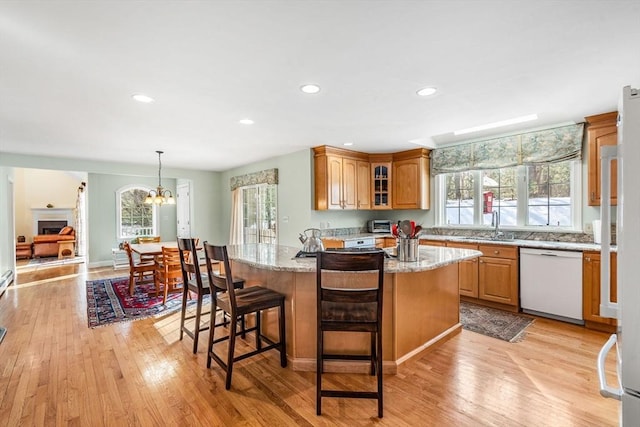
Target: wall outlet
588 228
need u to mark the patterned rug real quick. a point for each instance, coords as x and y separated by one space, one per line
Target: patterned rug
108 301
493 323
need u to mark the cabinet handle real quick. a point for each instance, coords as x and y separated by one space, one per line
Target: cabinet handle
481 261
496 252
587 259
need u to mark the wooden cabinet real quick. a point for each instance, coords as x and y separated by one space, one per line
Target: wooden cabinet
591 291
381 184
498 274
432 242
385 242
601 131
337 174
332 243
363 184
492 279
410 189
467 271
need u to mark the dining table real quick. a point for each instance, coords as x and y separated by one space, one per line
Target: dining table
152 248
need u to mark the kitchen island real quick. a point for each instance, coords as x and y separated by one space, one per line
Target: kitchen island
420 307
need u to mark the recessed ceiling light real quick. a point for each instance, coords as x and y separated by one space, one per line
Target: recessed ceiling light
501 123
427 91
142 98
245 121
348 144
310 88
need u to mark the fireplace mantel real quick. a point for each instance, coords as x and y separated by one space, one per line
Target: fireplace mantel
52 214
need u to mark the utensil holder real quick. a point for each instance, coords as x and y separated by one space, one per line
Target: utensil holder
408 250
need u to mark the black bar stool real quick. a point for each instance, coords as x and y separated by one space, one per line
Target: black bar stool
240 302
341 307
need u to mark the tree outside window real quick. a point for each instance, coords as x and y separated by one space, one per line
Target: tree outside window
259 205
135 218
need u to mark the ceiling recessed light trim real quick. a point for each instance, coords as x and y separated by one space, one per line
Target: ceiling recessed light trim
348 144
427 91
310 88
141 97
246 121
501 123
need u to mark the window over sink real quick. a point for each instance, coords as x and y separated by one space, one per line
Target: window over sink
525 196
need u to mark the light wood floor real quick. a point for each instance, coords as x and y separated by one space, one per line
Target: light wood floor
54 370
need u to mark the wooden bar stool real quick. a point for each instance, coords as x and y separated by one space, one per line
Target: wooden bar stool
343 305
197 283
240 302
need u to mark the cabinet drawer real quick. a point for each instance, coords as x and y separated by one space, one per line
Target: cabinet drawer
433 242
499 251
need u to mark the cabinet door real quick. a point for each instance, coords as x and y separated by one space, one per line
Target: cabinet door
349 183
334 182
381 179
591 287
498 281
602 132
468 277
363 185
406 184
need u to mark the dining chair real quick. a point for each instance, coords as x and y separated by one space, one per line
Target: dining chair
198 284
240 302
168 272
350 306
138 269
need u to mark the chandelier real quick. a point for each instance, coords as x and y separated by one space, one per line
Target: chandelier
160 196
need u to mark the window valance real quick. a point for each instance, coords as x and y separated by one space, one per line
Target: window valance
267 176
543 146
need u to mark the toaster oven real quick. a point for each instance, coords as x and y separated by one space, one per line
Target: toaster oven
379 226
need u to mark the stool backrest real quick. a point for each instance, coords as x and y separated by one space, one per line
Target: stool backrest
221 281
188 253
339 293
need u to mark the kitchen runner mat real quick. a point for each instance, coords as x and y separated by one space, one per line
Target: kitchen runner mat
493 323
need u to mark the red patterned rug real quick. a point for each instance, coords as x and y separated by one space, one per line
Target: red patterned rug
108 301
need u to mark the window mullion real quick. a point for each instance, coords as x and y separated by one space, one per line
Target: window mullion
523 195
477 198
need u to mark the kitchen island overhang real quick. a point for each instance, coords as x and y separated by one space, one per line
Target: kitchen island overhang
421 303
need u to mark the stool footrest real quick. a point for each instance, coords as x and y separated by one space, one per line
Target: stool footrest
352 394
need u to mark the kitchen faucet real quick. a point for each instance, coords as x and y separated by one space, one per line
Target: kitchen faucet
495 223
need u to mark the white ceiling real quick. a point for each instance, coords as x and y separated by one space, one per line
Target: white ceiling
68 70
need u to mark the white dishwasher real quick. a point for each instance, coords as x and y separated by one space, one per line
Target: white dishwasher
551 284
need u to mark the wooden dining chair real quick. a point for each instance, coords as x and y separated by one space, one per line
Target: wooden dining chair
168 273
198 284
240 302
138 269
350 306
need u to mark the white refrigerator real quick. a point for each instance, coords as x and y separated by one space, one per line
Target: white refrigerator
627 309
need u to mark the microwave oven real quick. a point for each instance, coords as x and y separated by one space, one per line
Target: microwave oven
379 226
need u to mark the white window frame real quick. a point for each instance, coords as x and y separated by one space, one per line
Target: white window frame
259 186
154 208
523 201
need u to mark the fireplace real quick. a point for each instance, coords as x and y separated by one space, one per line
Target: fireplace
51 227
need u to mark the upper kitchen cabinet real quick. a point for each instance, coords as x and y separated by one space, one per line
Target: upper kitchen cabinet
340 181
381 180
410 184
601 131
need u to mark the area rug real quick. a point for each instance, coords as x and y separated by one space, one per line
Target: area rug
493 323
108 302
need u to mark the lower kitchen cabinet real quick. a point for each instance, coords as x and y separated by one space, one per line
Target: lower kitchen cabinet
492 279
591 291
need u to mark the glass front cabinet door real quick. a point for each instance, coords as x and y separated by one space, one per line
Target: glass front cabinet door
381 174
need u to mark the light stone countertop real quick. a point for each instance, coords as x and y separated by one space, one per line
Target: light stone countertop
282 258
539 244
